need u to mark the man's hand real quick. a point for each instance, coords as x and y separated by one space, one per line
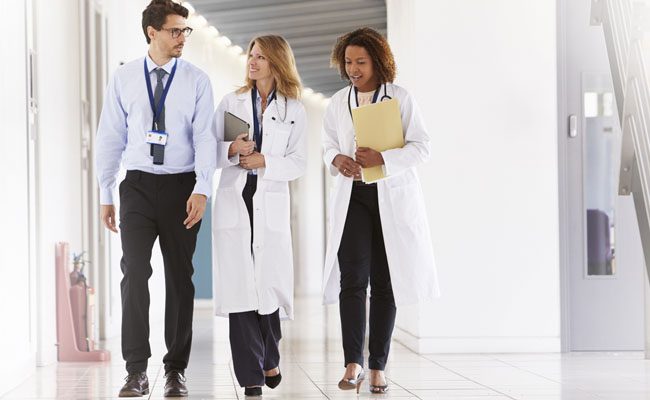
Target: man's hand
347 166
107 215
253 161
368 157
195 209
241 145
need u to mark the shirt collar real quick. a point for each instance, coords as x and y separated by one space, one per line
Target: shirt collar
259 98
167 67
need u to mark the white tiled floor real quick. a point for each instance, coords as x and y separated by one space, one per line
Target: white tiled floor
312 364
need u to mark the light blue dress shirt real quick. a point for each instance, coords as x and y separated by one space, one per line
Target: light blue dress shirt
259 116
127 117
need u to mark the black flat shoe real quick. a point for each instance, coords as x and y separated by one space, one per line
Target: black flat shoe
273 381
253 391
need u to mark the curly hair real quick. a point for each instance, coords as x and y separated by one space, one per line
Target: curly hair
156 14
377 47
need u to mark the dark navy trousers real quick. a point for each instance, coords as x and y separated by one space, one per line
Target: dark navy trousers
254 338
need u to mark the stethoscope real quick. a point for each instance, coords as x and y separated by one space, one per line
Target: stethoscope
374 98
257 128
273 97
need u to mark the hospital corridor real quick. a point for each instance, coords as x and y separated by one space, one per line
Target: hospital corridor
325 199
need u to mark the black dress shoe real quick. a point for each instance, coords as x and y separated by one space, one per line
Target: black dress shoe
137 385
273 381
253 391
175 384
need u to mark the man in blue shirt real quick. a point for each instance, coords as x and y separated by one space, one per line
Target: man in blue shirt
156 121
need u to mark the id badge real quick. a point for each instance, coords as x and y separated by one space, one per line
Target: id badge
157 137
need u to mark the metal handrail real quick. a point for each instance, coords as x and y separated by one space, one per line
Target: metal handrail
624 23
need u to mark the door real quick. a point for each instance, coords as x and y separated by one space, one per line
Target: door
603 264
18 235
93 67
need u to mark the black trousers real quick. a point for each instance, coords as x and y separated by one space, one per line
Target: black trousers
249 190
154 206
254 338
362 258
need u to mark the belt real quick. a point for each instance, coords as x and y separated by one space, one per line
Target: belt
363 184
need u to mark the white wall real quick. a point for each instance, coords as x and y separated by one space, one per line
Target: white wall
308 205
484 73
17 344
58 153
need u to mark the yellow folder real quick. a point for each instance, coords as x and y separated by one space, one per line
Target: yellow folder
378 126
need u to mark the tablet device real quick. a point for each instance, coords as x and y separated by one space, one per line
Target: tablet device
233 127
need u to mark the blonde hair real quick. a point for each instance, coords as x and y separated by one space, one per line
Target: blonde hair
282 64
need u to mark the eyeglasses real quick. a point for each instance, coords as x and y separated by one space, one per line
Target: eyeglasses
176 32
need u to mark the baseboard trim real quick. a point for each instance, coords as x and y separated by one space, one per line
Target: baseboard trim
478 344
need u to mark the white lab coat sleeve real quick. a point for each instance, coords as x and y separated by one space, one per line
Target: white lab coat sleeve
416 148
222 146
330 139
294 163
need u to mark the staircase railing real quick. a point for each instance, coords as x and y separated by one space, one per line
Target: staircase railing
626 24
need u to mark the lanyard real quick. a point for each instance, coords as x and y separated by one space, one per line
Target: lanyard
257 129
157 109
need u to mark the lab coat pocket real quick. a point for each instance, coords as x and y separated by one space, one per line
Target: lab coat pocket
226 210
277 211
406 204
280 140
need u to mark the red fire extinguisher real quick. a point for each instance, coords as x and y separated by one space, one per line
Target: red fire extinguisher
82 302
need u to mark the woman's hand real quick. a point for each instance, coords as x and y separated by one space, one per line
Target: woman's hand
241 145
253 161
347 166
367 157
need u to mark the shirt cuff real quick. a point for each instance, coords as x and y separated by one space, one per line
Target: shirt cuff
106 197
202 187
234 160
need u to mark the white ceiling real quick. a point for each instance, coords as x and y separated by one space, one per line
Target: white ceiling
310 26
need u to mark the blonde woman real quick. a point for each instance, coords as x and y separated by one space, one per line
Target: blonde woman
253 269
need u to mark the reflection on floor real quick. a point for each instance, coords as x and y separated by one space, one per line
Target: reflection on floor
312 364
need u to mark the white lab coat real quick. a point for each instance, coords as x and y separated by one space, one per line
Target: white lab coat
401 203
262 281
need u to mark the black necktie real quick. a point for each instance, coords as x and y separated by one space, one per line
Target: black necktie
157 150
